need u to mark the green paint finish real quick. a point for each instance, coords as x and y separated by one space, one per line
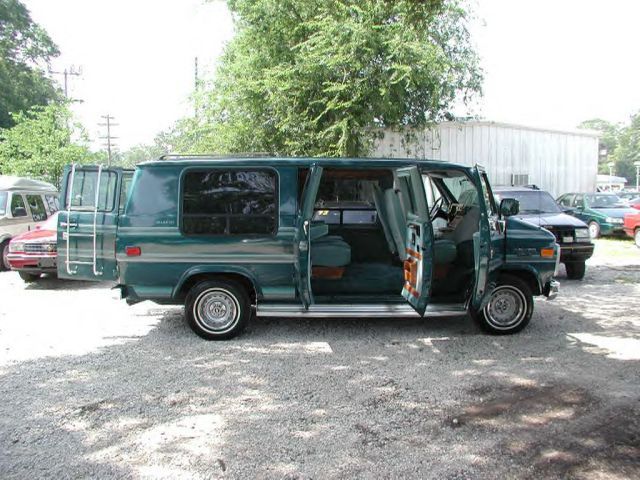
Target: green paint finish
168 259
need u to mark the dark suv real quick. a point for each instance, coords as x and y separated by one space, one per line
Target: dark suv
539 207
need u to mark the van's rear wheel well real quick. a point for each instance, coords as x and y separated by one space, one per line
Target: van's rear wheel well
201 277
528 277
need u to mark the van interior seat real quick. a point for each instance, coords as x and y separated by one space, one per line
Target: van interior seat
383 217
444 250
328 250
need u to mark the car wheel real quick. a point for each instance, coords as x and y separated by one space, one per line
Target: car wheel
575 270
594 229
509 309
218 310
29 277
637 237
4 260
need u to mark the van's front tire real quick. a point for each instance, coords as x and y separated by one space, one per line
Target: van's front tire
217 309
509 309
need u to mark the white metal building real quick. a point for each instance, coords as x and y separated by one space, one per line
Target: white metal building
555 160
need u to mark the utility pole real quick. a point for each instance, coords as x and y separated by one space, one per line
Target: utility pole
109 138
66 73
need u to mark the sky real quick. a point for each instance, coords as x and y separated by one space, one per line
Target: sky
546 63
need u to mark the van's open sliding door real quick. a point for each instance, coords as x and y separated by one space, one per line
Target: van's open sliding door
418 266
88 221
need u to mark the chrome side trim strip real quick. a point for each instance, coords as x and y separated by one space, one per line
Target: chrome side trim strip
356 310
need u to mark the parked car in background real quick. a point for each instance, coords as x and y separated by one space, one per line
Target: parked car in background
572 234
24 203
632 226
602 212
34 253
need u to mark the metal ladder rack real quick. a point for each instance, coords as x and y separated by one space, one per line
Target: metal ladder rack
69 234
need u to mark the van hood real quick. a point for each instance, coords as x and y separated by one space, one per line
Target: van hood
615 212
552 219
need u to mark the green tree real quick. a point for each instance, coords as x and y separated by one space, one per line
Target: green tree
303 77
628 150
25 51
43 140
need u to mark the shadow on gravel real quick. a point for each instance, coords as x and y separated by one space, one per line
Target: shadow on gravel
54 283
331 399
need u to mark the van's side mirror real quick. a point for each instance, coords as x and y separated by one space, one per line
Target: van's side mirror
509 207
568 210
19 212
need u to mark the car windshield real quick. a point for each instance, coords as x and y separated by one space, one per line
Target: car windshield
535 202
3 202
603 200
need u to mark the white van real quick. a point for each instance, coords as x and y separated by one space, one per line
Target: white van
24 203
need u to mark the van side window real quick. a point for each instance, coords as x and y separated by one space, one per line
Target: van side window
36 205
84 190
18 208
229 202
52 203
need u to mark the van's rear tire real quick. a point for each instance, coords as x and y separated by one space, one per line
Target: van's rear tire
218 309
509 309
4 260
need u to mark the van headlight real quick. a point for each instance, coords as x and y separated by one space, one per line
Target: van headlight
16 247
582 233
613 220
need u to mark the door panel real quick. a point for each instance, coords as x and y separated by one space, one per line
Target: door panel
488 242
87 223
302 243
418 267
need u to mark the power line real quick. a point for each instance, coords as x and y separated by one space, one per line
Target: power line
71 71
109 138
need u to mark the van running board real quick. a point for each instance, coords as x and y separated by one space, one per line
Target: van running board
357 310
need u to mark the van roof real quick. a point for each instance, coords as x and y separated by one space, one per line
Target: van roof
9 182
198 160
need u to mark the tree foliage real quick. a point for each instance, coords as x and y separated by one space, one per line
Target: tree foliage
303 77
621 143
43 140
628 150
25 50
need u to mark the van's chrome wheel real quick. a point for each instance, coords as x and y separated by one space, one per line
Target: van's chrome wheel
509 308
506 308
637 237
217 309
594 229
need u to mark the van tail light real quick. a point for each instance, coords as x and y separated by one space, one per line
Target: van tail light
133 251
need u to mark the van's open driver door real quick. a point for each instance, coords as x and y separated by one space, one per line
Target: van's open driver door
418 266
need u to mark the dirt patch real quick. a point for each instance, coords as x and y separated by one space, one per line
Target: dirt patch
558 431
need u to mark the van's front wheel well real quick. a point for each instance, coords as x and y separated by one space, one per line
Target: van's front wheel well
528 277
201 277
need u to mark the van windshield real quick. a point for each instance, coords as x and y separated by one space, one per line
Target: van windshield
603 201
3 202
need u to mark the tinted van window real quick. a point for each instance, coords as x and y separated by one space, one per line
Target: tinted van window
36 205
229 202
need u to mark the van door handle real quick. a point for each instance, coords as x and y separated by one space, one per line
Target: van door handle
70 224
305 227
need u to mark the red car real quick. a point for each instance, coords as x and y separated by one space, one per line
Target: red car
632 226
34 253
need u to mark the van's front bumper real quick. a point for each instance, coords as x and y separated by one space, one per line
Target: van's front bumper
551 289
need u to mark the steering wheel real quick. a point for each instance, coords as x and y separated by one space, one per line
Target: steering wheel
436 207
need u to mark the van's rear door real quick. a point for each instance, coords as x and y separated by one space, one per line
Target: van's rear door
88 221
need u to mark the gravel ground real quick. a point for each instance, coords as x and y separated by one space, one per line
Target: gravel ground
92 388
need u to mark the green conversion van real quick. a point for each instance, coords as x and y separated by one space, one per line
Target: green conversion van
234 238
